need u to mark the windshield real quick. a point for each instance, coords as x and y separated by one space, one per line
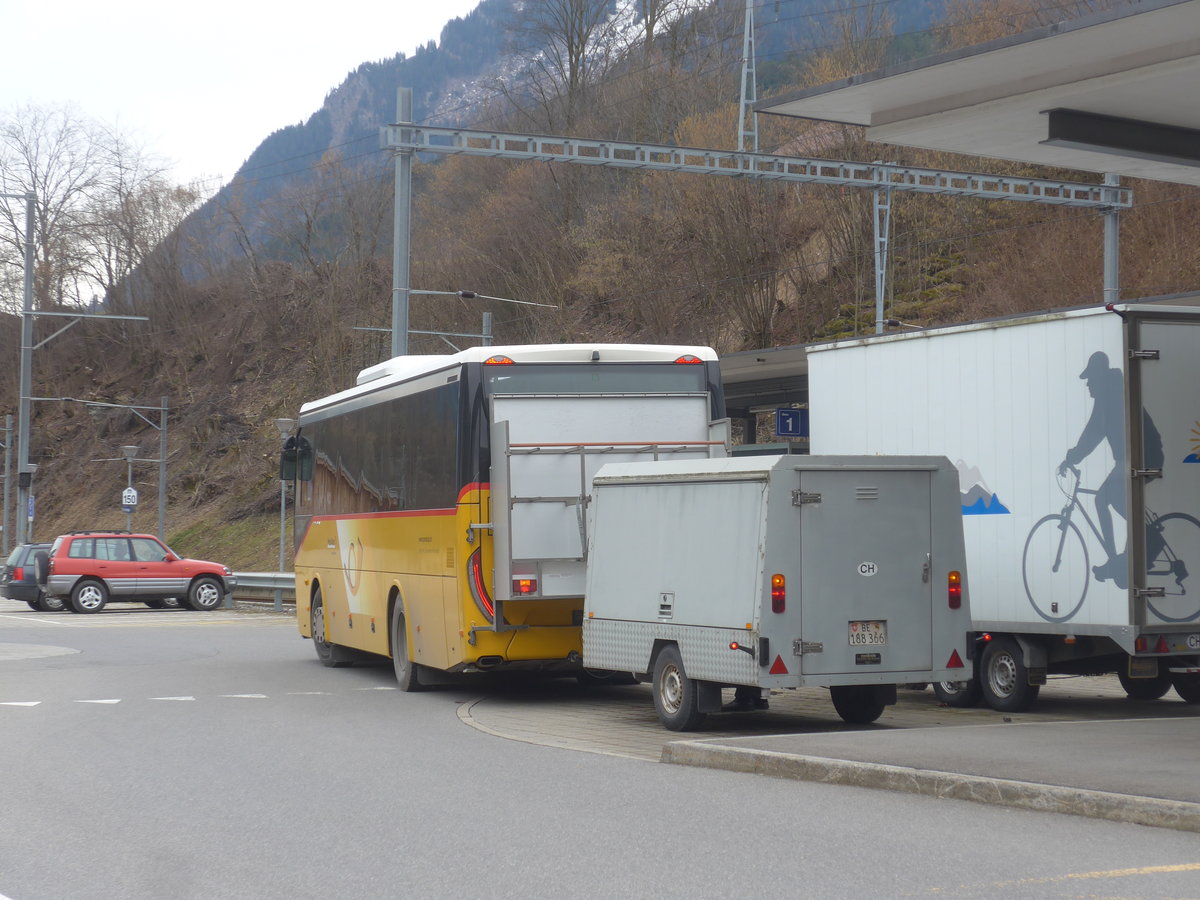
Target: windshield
635 378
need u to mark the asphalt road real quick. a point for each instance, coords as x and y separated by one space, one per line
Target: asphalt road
146 754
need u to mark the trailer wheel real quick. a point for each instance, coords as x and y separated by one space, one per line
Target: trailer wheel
408 673
1144 688
1187 687
1003 677
858 704
960 694
675 695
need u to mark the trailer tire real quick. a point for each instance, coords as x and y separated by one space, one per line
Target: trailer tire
1187 687
1144 688
959 694
857 704
676 697
1003 677
408 673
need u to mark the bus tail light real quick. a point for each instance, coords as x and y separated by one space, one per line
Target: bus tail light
479 592
954 590
498 361
778 593
688 360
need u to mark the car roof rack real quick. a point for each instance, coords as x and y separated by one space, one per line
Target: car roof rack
99 531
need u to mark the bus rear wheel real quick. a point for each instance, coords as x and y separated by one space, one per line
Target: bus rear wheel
327 653
408 673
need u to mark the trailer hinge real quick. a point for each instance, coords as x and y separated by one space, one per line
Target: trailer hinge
1147 473
800 498
1150 593
1143 354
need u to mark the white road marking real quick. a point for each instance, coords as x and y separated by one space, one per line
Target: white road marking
310 693
21 703
97 701
382 687
248 696
172 698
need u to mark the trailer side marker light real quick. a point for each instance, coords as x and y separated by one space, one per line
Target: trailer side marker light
1140 645
498 361
778 593
688 360
954 590
955 660
1162 646
734 645
778 667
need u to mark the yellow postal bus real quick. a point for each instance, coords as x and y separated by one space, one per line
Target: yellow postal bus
441 502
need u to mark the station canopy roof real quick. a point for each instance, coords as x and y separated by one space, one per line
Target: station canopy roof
1115 92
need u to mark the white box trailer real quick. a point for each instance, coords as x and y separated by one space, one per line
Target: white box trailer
1066 427
776 572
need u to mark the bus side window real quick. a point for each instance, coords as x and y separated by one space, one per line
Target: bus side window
296 459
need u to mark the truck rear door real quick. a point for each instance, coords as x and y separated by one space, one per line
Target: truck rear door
1164 372
865 584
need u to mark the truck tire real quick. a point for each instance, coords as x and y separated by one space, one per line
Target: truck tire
857 704
959 694
1003 677
1144 688
1187 686
408 673
675 695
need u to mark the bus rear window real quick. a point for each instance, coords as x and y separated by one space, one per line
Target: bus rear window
576 378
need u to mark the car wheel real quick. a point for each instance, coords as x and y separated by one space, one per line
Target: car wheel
32 605
88 596
46 603
205 593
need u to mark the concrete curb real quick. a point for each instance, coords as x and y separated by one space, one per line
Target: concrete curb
1176 814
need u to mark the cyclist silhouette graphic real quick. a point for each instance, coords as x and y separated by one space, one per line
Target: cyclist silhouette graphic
1106 423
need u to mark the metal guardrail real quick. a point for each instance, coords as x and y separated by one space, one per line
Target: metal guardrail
262 585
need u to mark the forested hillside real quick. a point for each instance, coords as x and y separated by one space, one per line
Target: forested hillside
255 299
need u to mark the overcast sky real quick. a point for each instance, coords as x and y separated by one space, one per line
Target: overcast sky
201 84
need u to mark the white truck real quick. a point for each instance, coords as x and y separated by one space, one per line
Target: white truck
1076 434
776 572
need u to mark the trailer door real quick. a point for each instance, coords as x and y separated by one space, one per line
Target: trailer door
866 592
1164 376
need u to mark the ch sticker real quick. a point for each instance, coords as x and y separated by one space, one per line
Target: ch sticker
867 569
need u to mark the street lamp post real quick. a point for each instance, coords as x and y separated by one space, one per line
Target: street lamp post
285 427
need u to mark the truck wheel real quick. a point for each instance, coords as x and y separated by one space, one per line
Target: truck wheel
327 653
1144 688
858 704
88 596
1187 687
408 673
960 694
1003 677
675 695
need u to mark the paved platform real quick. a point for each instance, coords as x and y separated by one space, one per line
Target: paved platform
1085 749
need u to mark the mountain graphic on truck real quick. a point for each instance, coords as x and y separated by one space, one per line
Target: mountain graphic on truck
977 498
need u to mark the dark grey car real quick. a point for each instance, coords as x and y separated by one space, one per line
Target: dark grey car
18 578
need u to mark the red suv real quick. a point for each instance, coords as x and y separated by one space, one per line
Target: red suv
90 568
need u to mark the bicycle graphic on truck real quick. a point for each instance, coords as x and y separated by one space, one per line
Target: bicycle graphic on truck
1055 563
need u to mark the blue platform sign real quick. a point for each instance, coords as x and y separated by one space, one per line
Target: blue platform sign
791 423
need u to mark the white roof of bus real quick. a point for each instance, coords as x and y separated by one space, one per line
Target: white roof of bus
404 368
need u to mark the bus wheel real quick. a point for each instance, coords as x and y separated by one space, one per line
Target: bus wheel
408 673
327 653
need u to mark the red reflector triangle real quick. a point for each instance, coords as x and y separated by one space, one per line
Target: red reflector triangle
778 668
955 661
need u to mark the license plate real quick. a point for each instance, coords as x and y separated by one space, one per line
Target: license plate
868 634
